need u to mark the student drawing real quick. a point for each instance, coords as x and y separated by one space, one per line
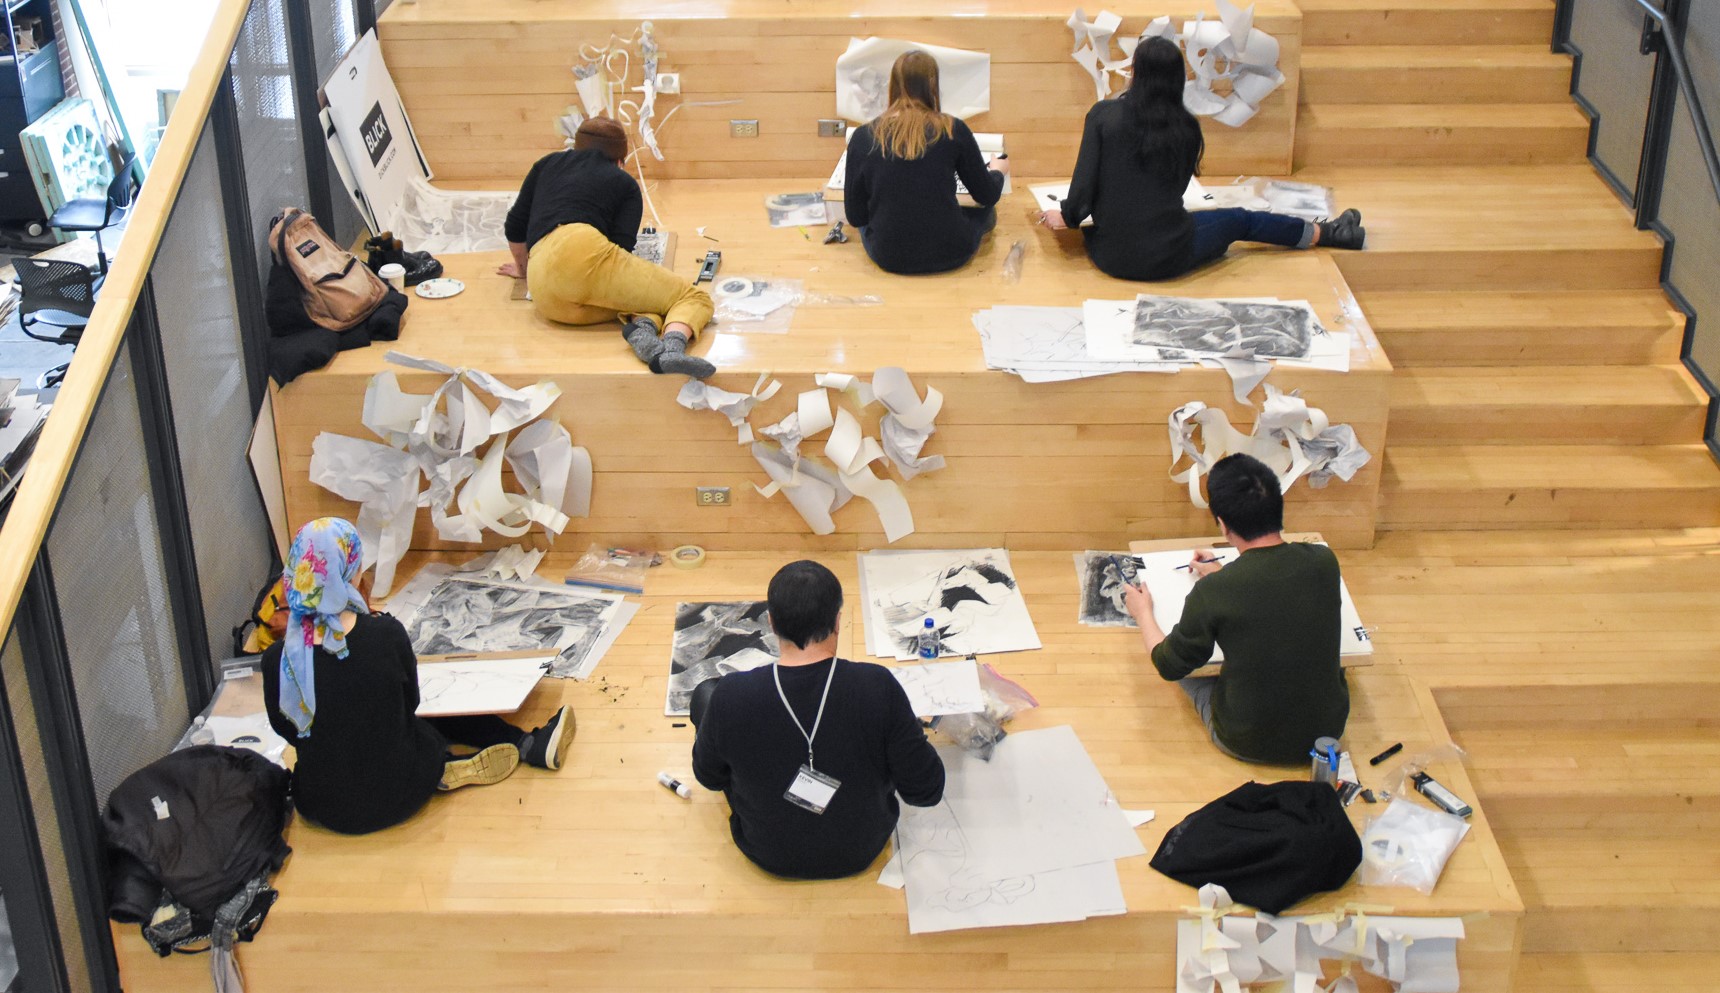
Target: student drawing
970 595
1273 330
937 866
466 615
715 639
1103 576
1190 325
477 686
938 688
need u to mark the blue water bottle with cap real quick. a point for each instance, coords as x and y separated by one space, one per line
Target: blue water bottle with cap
929 644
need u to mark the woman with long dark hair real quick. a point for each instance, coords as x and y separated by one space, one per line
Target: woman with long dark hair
901 178
1138 153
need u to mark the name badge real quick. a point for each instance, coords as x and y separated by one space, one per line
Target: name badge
811 789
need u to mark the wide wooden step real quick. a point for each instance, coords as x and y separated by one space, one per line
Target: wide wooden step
1456 133
1616 972
1419 74
1426 22
1490 229
1570 405
1480 487
1460 327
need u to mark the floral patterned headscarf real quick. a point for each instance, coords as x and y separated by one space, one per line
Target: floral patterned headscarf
321 580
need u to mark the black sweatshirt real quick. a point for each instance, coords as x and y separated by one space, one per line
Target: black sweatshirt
576 187
1140 228
369 762
908 206
748 747
1274 611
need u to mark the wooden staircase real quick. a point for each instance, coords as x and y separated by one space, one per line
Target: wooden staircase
1538 383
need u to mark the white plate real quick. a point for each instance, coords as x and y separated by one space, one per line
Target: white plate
438 289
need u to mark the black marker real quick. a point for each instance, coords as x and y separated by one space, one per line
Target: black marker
1388 753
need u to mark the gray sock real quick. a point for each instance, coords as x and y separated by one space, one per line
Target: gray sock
641 333
674 359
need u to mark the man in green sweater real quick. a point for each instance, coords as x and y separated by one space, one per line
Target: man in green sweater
1274 611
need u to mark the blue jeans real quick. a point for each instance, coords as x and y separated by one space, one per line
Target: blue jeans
1215 230
1200 690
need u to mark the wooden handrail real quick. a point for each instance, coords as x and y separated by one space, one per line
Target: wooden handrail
56 451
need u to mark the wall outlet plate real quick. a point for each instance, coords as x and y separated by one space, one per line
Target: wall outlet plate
669 82
743 129
711 496
832 129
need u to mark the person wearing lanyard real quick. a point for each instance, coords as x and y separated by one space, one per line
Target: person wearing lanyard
812 752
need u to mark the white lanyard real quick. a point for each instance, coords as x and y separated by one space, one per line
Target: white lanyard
816 720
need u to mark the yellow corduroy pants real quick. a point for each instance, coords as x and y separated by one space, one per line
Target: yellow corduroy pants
577 276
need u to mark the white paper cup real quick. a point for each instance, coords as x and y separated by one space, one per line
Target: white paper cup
394 274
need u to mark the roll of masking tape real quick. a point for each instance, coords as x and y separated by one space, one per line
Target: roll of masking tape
732 288
687 557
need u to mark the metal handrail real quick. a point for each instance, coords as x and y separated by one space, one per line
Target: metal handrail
1674 48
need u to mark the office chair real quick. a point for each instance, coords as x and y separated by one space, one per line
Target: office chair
59 295
92 214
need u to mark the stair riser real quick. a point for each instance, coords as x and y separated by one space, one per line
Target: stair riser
1590 346
1491 84
1614 929
1331 145
1641 817
1539 508
1427 27
1483 269
1658 705
1550 425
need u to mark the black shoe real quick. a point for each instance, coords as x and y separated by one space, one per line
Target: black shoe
419 266
1343 231
546 747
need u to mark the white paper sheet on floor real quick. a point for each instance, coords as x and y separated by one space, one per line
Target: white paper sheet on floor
938 688
970 595
1030 837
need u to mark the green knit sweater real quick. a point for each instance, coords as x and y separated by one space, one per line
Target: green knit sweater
1274 611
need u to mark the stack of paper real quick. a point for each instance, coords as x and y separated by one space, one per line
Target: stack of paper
1046 345
1189 331
1030 837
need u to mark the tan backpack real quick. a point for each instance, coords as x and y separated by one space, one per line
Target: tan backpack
338 290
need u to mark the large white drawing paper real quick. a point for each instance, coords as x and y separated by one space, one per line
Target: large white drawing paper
1047 344
1029 837
449 614
477 686
970 595
1169 579
714 639
938 688
370 121
863 77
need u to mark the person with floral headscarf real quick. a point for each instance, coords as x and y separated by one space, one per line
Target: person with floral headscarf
342 686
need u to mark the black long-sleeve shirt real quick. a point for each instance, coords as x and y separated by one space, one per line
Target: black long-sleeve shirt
370 762
908 206
576 187
1275 612
749 747
1140 228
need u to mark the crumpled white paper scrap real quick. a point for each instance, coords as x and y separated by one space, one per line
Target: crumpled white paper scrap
383 481
1290 437
863 73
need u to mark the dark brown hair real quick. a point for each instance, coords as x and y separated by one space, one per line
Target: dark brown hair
603 134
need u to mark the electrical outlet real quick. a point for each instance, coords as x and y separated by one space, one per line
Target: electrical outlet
669 82
832 129
712 496
743 129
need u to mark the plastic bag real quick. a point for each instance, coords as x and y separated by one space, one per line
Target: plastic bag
236 715
756 304
979 733
619 569
1408 845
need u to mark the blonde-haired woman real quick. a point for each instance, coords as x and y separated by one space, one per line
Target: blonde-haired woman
901 178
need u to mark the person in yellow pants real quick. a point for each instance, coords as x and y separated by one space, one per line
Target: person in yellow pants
572 230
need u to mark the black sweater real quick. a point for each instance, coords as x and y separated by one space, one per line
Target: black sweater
1140 228
1274 611
576 187
369 762
908 206
870 740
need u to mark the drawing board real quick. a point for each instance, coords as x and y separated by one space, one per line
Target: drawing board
714 639
970 595
460 687
1162 566
938 688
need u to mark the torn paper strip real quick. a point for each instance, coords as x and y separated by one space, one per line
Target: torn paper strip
384 482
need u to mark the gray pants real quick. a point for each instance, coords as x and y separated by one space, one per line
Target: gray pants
1200 690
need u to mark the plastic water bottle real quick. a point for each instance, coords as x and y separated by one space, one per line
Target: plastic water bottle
929 645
